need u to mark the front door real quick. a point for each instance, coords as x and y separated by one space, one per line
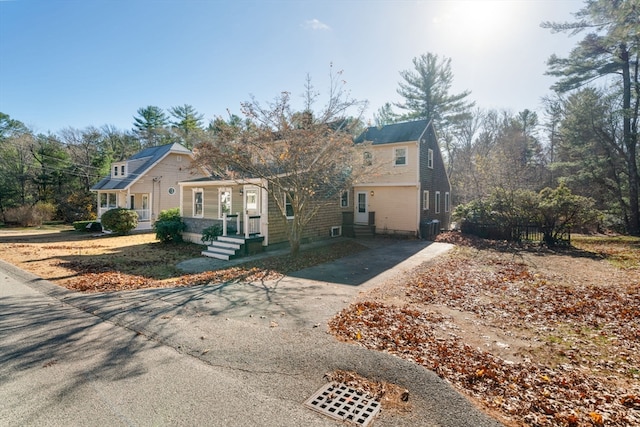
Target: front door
252 200
362 209
145 206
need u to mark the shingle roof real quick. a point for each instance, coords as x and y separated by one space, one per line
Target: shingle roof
138 164
397 132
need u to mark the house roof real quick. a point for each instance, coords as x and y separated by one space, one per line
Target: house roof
397 132
138 164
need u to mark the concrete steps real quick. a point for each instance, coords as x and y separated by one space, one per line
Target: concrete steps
363 231
227 247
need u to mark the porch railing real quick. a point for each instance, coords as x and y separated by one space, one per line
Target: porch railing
230 218
249 226
143 214
252 225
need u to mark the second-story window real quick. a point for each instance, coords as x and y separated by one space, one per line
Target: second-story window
122 170
430 158
115 171
367 158
400 156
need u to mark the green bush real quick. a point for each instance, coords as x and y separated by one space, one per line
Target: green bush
169 226
93 226
554 210
210 234
119 220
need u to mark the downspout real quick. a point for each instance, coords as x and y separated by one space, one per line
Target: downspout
264 214
419 188
157 179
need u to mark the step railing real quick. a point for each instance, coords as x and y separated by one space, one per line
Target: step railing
250 224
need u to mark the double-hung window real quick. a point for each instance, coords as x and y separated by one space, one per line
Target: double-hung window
367 158
446 201
430 158
425 200
198 202
224 202
288 207
344 199
437 202
400 156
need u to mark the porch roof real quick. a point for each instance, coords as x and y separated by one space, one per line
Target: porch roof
220 182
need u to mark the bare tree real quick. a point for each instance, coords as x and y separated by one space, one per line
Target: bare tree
303 158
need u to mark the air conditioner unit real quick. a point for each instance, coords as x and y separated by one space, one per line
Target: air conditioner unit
336 231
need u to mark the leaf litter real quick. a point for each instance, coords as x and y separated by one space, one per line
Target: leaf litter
582 367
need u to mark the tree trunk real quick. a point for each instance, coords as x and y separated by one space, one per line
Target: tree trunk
630 142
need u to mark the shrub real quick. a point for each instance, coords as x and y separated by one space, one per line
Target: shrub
93 226
119 220
44 211
210 234
78 206
30 216
169 226
555 211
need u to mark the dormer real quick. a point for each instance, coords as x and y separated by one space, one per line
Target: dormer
119 170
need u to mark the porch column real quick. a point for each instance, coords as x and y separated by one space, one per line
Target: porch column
224 224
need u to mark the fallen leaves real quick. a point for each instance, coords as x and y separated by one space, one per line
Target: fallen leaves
391 396
101 275
584 372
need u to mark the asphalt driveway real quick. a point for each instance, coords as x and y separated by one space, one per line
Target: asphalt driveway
269 341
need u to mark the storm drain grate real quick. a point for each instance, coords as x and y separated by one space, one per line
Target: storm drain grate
343 403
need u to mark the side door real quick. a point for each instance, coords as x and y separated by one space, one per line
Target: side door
362 208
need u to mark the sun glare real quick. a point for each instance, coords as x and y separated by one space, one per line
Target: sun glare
477 22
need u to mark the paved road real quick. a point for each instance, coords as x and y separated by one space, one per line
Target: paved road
226 355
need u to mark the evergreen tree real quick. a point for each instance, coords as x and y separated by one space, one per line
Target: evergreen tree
385 115
426 92
187 124
611 51
151 126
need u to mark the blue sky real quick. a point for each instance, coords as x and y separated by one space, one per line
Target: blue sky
76 63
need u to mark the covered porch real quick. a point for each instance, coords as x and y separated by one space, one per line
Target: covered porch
238 208
139 202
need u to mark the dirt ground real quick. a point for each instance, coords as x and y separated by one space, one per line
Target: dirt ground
46 252
535 337
507 341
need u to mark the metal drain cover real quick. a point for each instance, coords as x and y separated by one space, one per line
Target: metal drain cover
343 403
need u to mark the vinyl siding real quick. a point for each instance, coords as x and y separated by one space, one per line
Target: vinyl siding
169 171
395 208
384 171
434 180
